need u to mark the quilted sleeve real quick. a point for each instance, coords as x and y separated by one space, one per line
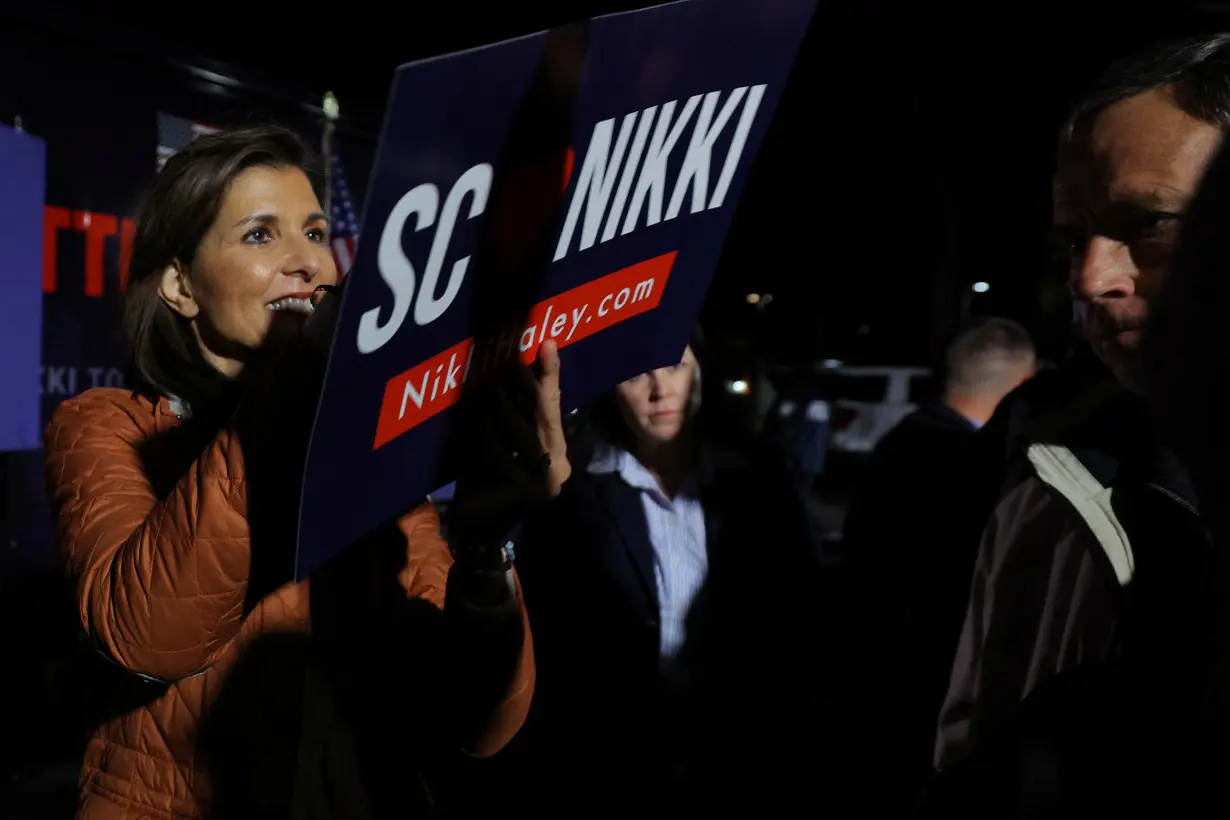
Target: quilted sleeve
160 584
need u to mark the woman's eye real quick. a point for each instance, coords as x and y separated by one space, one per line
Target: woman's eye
257 235
316 235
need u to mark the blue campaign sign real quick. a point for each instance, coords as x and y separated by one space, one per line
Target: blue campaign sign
575 185
23 187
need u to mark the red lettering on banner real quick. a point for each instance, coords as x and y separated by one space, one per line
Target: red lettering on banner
412 397
96 227
54 220
128 232
570 161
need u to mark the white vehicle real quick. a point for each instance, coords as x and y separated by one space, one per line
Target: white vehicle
868 402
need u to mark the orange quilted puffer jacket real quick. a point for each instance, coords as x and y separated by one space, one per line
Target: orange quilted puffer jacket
157 546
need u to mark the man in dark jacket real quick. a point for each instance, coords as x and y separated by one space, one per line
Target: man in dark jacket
1067 545
1145 729
1092 668
905 551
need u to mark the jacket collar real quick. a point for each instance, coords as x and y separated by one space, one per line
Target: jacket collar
176 407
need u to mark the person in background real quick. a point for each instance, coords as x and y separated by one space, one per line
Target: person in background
241 692
799 427
675 603
1095 499
903 552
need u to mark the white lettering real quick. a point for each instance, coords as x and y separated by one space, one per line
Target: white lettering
622 295
413 395
469 361
475 182
545 319
643 290
421 201
55 381
66 380
577 315
602 308
450 381
629 175
595 182
652 180
695 168
754 96
435 386
531 332
557 326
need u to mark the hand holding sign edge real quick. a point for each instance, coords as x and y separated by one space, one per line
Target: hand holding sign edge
510 452
550 419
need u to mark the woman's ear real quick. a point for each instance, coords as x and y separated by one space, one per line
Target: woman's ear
176 291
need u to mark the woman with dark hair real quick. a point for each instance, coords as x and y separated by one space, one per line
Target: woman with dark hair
176 503
673 600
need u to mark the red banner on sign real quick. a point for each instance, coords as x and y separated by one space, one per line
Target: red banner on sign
412 397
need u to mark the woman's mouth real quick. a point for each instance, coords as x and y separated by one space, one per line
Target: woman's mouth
298 303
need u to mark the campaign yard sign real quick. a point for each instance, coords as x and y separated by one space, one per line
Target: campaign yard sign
574 185
23 186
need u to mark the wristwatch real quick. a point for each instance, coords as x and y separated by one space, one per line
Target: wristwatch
485 560
487 572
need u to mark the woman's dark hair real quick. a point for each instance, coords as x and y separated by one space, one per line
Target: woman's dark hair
164 358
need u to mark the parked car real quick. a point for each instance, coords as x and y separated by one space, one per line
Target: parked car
867 402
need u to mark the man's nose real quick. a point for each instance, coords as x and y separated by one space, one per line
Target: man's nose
1106 271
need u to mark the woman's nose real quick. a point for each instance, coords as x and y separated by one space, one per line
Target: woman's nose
304 260
655 386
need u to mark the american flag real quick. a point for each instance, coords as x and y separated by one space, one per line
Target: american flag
174 134
344 220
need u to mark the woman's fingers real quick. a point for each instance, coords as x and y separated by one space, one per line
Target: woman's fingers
318 328
514 455
551 420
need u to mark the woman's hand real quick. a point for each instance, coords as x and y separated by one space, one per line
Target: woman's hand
551 420
508 437
510 447
318 328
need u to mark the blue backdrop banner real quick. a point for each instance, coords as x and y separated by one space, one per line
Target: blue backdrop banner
23 189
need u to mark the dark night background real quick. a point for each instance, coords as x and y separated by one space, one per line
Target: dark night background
910 157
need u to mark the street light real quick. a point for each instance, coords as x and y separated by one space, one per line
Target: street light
981 287
753 298
330 107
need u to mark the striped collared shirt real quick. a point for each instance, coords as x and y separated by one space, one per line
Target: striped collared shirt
677 532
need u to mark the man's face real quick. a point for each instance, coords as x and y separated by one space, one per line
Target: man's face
1119 197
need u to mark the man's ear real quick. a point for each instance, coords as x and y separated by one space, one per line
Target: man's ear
176 291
